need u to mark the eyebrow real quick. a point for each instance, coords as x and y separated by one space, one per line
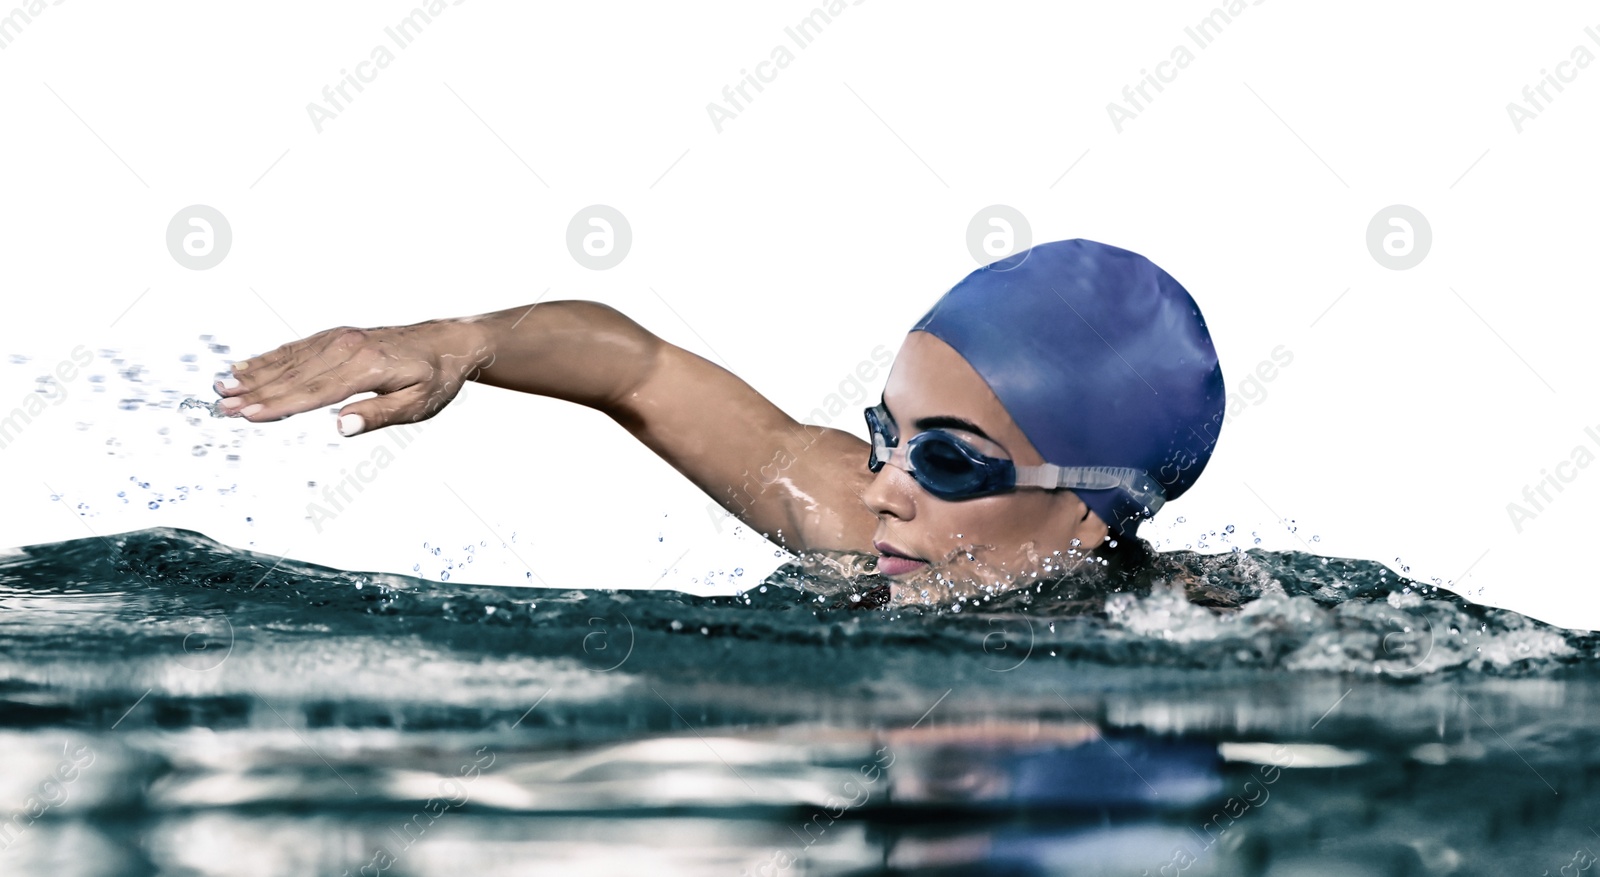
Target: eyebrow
947 422
942 421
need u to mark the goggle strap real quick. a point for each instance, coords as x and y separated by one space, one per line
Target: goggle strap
1135 481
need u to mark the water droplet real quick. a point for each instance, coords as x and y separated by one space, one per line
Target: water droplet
155 505
199 451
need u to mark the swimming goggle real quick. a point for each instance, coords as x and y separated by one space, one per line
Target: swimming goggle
951 468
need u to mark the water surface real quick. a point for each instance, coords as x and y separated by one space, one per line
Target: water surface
170 705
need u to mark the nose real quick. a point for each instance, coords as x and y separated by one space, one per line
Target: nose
892 491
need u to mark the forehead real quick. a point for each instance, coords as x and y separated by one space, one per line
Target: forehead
930 379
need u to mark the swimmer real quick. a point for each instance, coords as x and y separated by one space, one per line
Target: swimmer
1033 418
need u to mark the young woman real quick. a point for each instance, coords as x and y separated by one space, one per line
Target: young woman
1042 409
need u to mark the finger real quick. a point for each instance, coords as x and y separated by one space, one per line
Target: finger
309 355
409 405
293 392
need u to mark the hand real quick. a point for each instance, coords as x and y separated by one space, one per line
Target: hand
415 370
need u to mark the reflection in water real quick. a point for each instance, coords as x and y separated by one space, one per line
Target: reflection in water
169 705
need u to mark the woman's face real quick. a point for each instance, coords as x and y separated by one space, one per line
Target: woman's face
999 540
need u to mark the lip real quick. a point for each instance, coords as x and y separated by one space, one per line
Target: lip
893 561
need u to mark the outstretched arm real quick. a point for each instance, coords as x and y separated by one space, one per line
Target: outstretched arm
772 472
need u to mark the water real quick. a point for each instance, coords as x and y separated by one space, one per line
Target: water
170 705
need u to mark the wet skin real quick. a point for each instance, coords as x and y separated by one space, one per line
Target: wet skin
805 487
984 539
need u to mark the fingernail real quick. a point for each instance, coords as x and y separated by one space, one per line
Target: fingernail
350 424
240 366
250 409
232 403
228 383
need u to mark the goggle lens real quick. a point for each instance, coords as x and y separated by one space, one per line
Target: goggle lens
941 461
944 465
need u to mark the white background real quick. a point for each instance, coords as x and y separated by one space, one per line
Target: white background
820 222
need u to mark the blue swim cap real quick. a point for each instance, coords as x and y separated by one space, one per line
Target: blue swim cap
1100 357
